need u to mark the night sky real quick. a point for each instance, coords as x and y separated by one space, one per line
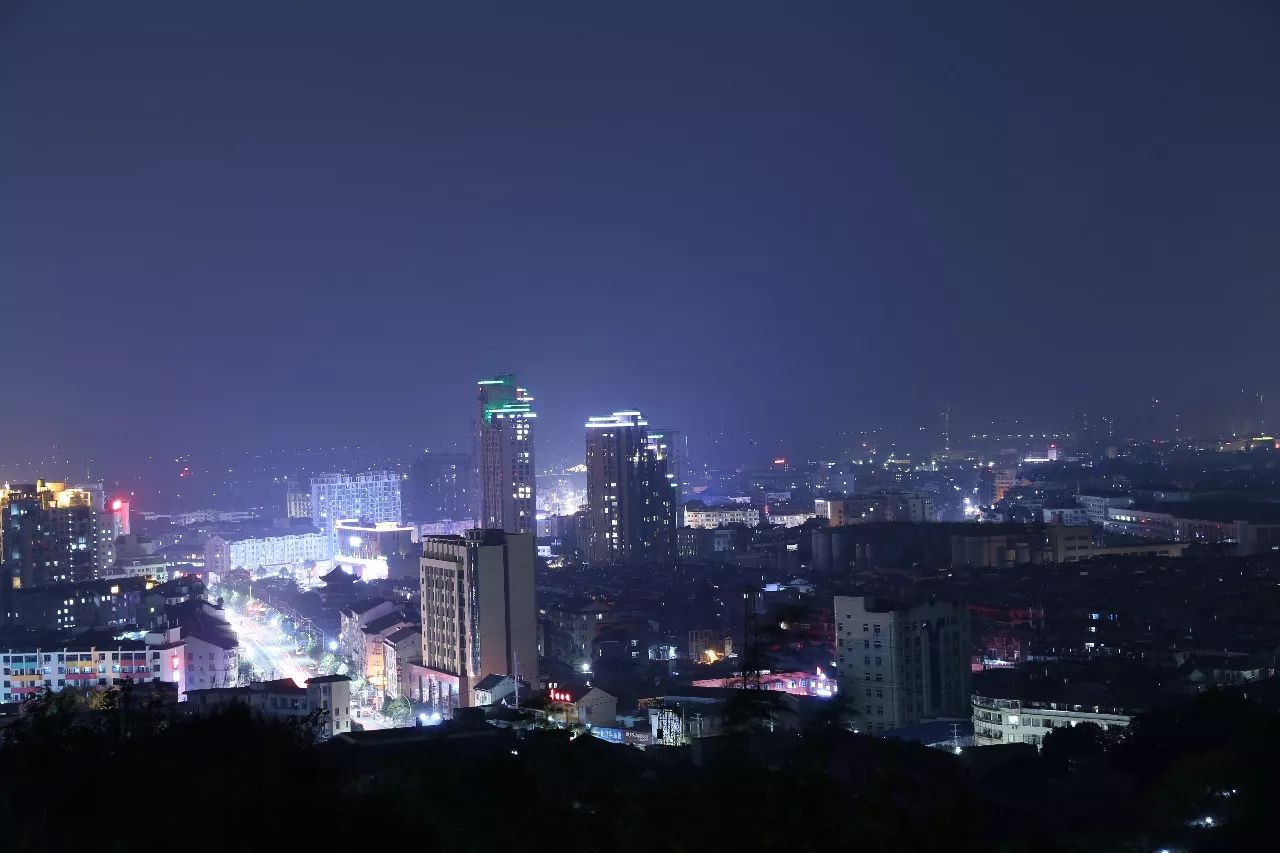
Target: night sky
244 225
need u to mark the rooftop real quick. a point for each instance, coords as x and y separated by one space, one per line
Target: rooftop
327 679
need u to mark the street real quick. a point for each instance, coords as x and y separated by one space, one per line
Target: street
270 650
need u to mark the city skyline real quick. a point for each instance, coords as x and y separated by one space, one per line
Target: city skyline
690 426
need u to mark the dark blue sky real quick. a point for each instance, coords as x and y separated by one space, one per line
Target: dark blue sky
260 224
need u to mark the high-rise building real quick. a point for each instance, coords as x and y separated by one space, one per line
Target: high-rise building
371 497
439 488
479 614
669 446
631 504
113 522
297 499
506 484
48 534
901 664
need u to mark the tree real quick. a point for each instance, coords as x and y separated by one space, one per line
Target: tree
398 710
1068 746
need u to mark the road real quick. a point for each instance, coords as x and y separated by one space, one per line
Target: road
270 650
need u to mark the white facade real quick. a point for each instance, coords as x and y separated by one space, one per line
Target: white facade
333 694
203 516
712 517
371 497
28 671
997 721
163 656
791 519
1096 506
1072 516
261 552
208 665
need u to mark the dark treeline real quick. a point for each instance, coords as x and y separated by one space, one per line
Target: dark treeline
131 776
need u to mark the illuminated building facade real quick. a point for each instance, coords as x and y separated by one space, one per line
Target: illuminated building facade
261 554
113 523
899 665
668 446
29 670
373 496
479 615
49 533
631 504
507 487
297 499
375 551
1012 719
698 514
1005 479
191 659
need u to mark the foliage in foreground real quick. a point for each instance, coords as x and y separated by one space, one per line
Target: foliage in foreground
142 776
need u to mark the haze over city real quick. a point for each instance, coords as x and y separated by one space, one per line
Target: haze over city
258 226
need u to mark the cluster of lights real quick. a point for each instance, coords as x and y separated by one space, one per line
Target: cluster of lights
561 696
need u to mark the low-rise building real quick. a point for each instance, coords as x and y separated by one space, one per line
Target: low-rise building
581 705
1072 516
1097 504
352 620
1253 528
285 699
200 651
88 664
789 516
998 720
331 694
263 552
493 689
400 648
697 514
281 698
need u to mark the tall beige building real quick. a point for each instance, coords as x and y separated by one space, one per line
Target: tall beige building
479 614
902 664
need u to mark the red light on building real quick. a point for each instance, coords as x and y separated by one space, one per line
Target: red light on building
116 504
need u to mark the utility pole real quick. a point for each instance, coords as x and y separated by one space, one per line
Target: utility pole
751 641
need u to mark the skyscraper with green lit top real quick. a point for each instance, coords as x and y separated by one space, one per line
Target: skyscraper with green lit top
507 488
